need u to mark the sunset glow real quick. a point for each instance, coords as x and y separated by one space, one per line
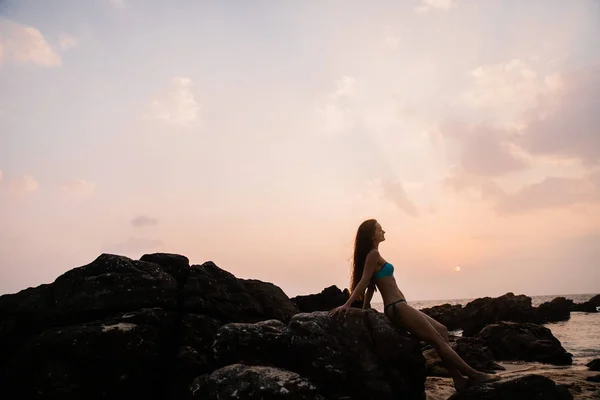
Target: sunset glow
260 135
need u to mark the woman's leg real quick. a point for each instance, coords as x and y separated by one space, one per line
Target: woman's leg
459 380
415 322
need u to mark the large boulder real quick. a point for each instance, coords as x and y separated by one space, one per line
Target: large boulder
448 315
594 365
327 299
249 382
528 387
484 311
559 309
588 306
525 342
117 357
217 293
359 356
160 315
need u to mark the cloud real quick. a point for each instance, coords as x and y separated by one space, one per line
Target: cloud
24 44
428 5
552 192
143 220
24 185
484 150
178 107
67 42
394 191
120 4
78 187
133 246
0 175
335 110
567 124
506 84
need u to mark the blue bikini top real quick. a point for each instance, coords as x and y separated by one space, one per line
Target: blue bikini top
386 270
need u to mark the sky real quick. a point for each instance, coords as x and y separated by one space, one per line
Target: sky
259 135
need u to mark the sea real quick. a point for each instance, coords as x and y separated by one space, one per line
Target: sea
579 335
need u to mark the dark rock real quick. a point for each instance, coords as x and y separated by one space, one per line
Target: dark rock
448 315
474 352
525 342
176 265
240 381
594 365
595 301
360 355
484 311
584 307
590 306
593 378
217 293
112 284
559 309
528 387
328 299
273 301
118 357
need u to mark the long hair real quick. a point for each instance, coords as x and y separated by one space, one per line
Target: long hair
363 244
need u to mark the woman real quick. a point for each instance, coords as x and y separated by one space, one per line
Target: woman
370 269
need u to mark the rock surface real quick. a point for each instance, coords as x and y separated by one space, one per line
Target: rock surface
358 356
528 387
594 365
327 299
240 381
159 328
524 341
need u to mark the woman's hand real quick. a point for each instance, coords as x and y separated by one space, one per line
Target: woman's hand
338 310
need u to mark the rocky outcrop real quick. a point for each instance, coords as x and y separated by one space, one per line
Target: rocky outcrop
452 316
241 381
484 311
559 309
480 312
525 342
159 328
521 388
327 299
588 306
594 365
360 355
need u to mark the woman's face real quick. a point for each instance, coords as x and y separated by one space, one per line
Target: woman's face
379 234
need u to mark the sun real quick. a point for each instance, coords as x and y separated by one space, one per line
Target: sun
457 269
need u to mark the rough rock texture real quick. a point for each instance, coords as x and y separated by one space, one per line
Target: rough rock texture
358 356
329 298
528 387
525 342
449 315
120 328
589 306
594 365
484 311
240 381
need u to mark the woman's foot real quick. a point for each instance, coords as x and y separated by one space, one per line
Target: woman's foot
483 378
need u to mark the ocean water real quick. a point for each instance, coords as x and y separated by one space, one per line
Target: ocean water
580 335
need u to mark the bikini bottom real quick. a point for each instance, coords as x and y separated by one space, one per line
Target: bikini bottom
392 304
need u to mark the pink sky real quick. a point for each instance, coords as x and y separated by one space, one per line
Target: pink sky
260 137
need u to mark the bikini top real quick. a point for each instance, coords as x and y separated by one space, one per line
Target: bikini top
386 270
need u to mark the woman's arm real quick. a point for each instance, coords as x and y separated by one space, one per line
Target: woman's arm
370 264
368 297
